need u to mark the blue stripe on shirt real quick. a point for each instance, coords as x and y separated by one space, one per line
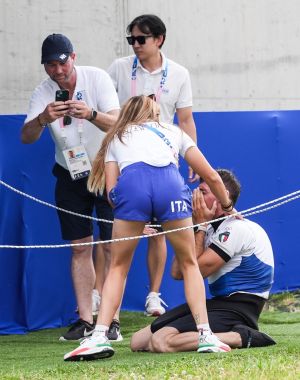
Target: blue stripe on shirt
251 276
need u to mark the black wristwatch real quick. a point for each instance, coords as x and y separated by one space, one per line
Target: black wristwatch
93 115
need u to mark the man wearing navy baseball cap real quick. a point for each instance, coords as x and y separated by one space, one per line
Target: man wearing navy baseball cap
56 47
78 104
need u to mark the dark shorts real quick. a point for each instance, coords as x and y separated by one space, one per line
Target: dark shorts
154 222
74 196
144 191
223 314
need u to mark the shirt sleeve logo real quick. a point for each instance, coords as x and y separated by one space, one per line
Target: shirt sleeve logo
224 236
79 95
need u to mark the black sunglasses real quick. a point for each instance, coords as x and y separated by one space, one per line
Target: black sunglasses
67 120
140 39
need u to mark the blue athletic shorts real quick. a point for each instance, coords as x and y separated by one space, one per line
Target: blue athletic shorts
144 191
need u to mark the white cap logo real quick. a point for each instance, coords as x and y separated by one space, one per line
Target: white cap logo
62 57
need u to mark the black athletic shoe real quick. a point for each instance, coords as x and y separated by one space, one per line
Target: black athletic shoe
79 330
253 338
114 332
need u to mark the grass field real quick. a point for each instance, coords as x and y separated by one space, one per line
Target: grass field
39 355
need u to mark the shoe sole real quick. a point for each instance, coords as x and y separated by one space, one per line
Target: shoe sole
93 356
209 350
119 339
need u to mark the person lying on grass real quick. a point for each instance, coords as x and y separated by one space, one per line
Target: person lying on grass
237 258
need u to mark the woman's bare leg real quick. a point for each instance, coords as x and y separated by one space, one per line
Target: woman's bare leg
184 246
121 257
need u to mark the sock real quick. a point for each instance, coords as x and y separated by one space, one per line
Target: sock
204 329
100 330
153 294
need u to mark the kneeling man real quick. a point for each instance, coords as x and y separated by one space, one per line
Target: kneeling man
237 258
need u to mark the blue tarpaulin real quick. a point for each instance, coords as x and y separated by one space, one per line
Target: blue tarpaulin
36 292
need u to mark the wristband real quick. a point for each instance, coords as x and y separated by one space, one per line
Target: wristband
199 228
41 124
228 208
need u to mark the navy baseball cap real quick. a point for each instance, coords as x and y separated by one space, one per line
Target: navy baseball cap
56 47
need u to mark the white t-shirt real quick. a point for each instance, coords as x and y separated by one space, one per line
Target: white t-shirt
94 86
153 143
246 249
176 92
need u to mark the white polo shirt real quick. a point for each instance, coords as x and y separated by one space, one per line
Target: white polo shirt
94 86
176 91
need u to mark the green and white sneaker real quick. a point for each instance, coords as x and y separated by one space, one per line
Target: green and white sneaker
95 347
211 343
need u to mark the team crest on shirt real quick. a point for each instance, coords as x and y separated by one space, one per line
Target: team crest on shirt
79 95
224 236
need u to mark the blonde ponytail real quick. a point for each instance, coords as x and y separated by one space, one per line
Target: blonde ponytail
137 110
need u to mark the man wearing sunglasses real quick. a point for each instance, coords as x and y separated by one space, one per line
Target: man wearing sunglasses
147 72
78 104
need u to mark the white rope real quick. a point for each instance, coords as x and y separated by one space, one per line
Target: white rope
59 208
52 206
110 221
247 212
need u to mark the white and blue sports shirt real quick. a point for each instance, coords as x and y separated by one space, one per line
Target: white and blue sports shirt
249 264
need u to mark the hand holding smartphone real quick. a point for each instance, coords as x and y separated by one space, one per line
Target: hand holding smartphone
63 96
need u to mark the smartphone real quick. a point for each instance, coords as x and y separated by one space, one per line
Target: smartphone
62 95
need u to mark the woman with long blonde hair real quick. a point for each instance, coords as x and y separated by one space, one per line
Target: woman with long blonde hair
138 162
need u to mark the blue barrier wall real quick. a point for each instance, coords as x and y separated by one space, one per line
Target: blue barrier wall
35 284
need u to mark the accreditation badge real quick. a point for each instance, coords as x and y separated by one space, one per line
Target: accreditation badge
78 162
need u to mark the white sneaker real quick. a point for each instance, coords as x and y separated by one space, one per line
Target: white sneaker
211 343
96 299
92 348
153 305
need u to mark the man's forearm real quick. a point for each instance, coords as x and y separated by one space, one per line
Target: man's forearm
190 129
105 121
175 270
186 122
32 130
199 242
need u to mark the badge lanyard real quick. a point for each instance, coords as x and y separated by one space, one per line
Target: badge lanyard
161 84
76 157
79 126
164 139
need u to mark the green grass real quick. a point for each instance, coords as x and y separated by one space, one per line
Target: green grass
39 355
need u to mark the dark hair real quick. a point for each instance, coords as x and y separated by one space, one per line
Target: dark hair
149 24
231 183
